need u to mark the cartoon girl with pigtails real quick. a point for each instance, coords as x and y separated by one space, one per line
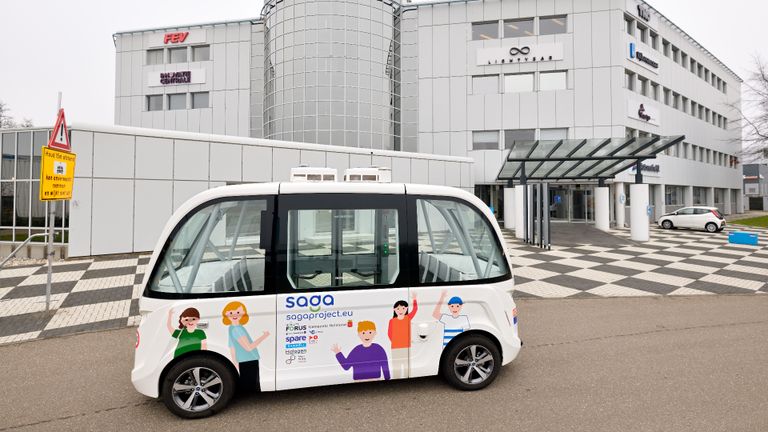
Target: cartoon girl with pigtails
190 337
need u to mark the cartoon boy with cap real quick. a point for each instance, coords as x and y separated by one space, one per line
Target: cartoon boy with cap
453 322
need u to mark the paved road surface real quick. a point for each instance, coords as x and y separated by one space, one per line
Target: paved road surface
661 364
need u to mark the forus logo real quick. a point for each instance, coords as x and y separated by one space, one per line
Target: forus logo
314 303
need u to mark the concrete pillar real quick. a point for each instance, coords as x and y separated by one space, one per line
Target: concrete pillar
519 215
602 208
727 208
620 199
509 207
638 212
659 197
739 201
711 197
688 196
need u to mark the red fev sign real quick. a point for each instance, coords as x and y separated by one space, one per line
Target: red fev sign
60 137
175 37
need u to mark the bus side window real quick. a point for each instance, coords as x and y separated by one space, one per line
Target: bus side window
456 243
331 248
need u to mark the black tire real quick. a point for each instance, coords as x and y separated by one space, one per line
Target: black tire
200 391
460 376
667 224
711 227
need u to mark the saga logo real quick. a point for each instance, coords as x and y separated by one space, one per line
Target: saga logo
314 302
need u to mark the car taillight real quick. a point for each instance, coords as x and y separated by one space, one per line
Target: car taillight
717 214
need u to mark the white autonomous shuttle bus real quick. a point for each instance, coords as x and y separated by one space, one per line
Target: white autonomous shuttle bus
285 285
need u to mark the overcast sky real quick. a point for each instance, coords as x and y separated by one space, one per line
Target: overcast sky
47 46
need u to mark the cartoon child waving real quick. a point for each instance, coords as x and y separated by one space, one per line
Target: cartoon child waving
454 322
190 337
243 349
399 333
367 360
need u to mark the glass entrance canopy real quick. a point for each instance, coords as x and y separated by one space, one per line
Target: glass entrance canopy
585 159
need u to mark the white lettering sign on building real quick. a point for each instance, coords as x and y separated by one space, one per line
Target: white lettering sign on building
644 112
520 53
166 78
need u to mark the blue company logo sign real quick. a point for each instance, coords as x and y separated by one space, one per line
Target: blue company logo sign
314 303
637 55
295 342
632 50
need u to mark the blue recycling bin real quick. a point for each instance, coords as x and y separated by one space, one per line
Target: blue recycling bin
743 238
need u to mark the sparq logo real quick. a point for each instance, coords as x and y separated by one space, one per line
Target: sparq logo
314 302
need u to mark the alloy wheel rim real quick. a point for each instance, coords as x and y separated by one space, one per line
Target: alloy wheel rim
197 389
473 365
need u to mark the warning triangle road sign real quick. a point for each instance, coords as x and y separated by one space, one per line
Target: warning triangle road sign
60 136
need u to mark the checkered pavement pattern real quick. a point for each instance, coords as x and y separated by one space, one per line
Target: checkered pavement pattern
102 293
86 294
673 262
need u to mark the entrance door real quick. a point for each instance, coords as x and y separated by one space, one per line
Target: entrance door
340 277
583 207
558 203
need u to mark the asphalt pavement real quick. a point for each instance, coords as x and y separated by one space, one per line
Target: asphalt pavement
622 364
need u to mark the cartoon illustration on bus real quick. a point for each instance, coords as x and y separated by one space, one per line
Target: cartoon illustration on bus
244 350
454 322
367 360
399 333
190 337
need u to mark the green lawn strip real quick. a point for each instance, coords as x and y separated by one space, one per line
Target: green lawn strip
761 222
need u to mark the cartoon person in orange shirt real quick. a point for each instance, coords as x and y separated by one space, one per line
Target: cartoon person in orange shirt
400 336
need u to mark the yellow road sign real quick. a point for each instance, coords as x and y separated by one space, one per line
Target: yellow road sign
57 175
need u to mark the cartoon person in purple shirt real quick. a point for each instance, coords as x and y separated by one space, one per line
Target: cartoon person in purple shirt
367 360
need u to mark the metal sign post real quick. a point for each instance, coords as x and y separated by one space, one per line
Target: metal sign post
51 219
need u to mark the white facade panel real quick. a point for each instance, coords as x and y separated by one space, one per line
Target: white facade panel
190 161
154 158
153 208
112 220
113 155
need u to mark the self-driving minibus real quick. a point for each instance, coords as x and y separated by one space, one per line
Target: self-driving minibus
278 286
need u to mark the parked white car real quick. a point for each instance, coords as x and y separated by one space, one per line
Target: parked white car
707 218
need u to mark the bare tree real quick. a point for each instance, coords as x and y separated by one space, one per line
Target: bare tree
753 112
7 121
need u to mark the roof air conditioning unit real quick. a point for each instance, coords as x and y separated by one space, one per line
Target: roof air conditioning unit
313 174
370 174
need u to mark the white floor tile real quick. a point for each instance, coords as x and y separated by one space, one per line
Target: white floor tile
688 292
76 315
546 290
533 273
610 290
739 283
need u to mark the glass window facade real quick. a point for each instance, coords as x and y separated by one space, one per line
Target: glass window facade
155 56
553 25
553 80
516 83
177 101
21 211
518 28
485 30
177 55
332 73
486 84
510 136
200 100
485 140
201 53
155 103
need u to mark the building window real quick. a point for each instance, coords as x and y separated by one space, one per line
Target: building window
643 87
516 83
699 196
654 91
643 33
155 56
485 140
487 84
676 54
675 101
684 60
666 48
201 53
553 134
155 103
200 100
629 25
654 40
177 55
518 28
553 25
667 97
629 80
177 101
553 81
510 136
485 30
674 195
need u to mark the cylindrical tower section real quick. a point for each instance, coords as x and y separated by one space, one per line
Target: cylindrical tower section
332 72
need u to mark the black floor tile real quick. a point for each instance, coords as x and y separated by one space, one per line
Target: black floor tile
717 288
97 296
64 268
650 261
39 290
25 323
12 281
742 275
100 325
102 273
542 256
573 282
624 271
645 285
138 278
711 264
554 267
597 259
680 273
134 310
